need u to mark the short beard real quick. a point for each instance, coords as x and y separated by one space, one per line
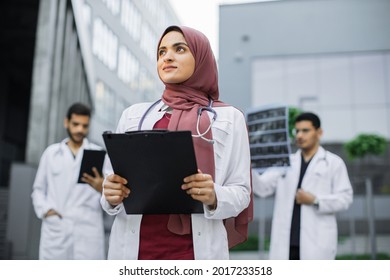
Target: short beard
73 139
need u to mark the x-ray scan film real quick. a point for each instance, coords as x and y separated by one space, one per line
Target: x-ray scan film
269 137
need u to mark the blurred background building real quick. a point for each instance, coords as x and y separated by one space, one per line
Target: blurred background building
54 53
327 56
331 57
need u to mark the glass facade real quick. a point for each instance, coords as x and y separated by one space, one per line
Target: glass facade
105 103
104 44
131 19
123 36
113 6
128 68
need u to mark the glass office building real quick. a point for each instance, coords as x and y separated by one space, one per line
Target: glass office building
123 36
55 53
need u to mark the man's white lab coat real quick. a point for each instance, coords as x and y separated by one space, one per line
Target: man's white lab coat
326 177
79 234
232 186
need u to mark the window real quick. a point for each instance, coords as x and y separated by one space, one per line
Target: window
128 68
113 6
131 19
148 86
86 12
149 42
105 44
105 104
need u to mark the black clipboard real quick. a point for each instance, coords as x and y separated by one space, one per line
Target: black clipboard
91 158
154 162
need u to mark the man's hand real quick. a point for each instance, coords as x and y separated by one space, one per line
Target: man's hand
115 190
52 212
303 197
96 182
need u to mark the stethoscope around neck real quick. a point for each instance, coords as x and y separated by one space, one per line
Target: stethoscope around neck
209 108
325 158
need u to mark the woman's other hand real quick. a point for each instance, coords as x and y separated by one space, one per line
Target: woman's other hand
201 187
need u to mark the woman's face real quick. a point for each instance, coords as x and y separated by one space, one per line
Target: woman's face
176 63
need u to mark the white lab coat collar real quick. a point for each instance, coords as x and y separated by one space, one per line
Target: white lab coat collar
63 146
319 155
154 115
164 107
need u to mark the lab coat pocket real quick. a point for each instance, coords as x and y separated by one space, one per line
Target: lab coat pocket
52 232
327 234
320 182
221 132
132 120
52 224
55 240
132 123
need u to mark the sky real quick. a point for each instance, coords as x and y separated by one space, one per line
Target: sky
203 15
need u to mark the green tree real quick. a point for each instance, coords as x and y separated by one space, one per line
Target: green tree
359 147
293 112
365 144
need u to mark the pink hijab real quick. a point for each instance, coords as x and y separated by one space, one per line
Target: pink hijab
185 99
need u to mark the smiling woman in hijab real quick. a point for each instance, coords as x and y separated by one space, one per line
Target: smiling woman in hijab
187 67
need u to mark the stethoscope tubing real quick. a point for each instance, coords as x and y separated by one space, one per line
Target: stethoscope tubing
209 108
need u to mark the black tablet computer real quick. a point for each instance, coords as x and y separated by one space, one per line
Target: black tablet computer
91 158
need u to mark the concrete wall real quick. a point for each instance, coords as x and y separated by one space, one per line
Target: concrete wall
23 227
294 28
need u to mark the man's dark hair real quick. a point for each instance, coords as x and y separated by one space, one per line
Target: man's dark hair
308 116
78 109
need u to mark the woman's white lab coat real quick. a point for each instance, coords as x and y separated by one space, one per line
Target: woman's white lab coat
326 177
80 233
232 186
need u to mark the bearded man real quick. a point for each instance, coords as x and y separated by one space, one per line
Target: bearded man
72 218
